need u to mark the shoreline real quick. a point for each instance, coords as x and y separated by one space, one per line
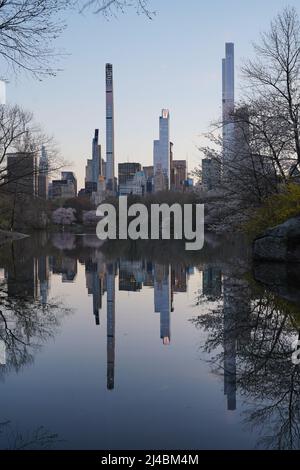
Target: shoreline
7 236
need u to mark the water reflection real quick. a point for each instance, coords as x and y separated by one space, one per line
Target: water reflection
28 318
246 324
11 438
249 341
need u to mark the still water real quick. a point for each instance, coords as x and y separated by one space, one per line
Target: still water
128 346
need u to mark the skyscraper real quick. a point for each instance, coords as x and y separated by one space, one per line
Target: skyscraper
161 153
228 103
178 175
2 92
43 182
110 146
93 168
22 174
96 158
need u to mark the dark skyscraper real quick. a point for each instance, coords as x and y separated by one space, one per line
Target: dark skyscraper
43 175
96 158
22 174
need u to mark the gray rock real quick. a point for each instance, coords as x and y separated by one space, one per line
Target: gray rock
280 243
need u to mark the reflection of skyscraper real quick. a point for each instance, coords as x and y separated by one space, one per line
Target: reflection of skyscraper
162 299
110 146
95 287
229 344
43 275
212 282
149 281
65 266
179 278
22 278
237 330
110 286
131 275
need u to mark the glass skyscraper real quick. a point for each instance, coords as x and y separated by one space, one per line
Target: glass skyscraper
228 103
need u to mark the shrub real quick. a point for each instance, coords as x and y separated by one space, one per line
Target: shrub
275 210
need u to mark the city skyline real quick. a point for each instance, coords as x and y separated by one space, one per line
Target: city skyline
145 80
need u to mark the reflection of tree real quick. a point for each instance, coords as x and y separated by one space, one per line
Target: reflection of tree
25 324
262 328
12 439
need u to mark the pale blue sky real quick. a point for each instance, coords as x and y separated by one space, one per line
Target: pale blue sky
173 61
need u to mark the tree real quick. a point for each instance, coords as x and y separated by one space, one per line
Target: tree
263 152
20 145
29 28
20 134
274 77
109 7
63 216
27 31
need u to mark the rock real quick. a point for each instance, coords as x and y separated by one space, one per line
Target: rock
280 244
281 278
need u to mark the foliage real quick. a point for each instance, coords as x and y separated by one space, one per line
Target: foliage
275 210
80 204
64 216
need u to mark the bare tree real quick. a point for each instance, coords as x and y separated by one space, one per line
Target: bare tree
112 7
274 77
263 152
27 31
29 28
19 134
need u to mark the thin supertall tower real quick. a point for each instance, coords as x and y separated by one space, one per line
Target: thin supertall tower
110 137
43 180
228 104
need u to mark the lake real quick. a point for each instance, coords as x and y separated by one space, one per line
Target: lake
146 346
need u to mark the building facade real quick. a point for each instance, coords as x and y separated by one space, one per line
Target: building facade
132 180
178 175
66 187
22 173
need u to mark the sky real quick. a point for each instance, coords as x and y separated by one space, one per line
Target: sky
173 61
